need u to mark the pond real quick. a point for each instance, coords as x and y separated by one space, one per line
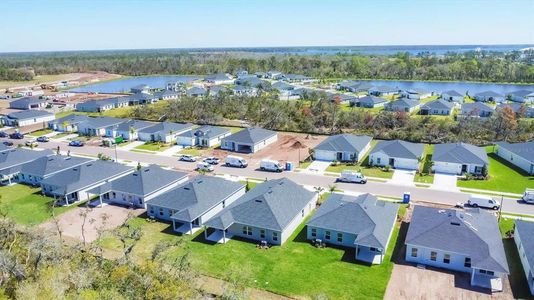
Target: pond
125 84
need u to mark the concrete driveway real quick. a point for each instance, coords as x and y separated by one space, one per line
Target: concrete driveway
445 182
403 177
318 166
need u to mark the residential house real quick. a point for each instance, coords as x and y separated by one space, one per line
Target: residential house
128 130
167 95
383 91
165 132
249 140
275 75
397 154
12 160
43 167
204 136
369 102
268 213
416 94
138 188
194 202
519 154
521 110
196 92
141 88
477 109
103 105
260 74
466 241
298 78
241 73
141 99
96 126
75 184
27 117
215 90
524 241
521 96
362 222
452 96
28 103
439 107
220 78
489 96
341 98
68 123
245 90
343 147
286 91
176 86
459 158
403 105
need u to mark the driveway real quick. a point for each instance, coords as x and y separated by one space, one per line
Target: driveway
445 182
403 177
318 166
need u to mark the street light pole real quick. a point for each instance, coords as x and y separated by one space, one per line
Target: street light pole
500 208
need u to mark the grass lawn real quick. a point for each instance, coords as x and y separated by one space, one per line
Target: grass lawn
295 269
305 164
26 205
426 174
151 146
504 177
61 135
233 129
41 132
192 151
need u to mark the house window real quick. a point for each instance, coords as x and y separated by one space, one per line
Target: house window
373 249
433 255
151 210
491 273
327 235
275 236
340 237
247 230
467 262
114 195
447 258
262 233
224 204
161 211
414 252
302 213
378 160
313 232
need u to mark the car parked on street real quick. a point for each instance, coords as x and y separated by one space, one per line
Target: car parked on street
528 196
43 139
204 166
188 158
76 143
3 134
212 160
16 136
8 143
352 177
31 143
483 201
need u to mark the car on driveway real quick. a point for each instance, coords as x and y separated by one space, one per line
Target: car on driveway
16 136
43 139
3 134
187 157
204 166
528 196
212 160
31 143
76 143
8 143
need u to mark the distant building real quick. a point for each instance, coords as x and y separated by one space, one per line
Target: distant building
519 154
438 107
403 105
521 96
453 96
204 136
220 78
165 132
383 91
477 109
27 117
489 96
416 94
28 103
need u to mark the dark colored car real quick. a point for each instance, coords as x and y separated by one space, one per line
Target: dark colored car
8 143
76 143
3 134
16 136
43 139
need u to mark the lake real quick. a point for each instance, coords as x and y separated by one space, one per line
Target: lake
125 84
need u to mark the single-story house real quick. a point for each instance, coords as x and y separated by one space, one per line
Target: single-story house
194 202
416 94
96 126
519 154
27 117
459 158
176 86
68 123
369 102
43 167
362 222
383 91
204 136
269 212
276 75
241 72
252 81
260 74
452 96
140 88
489 96
103 105
196 92
466 241
286 91
524 241
129 129
165 132
167 95
343 147
520 109
521 96
397 154
137 188
220 78
439 107
245 90
477 109
215 90
141 98
28 103
341 98
12 160
298 78
403 105
354 86
249 140
74 184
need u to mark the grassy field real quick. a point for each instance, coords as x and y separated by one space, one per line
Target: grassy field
26 205
41 132
150 146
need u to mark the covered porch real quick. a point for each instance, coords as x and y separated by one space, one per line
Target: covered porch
487 279
369 254
218 236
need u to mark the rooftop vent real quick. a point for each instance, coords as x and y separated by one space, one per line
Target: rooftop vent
90 164
187 188
258 200
455 223
134 174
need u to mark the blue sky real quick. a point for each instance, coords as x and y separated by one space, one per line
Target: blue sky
43 25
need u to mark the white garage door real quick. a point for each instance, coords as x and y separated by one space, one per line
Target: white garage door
446 168
406 164
325 155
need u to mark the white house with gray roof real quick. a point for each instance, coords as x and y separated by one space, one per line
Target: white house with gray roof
489 96
28 103
68 123
362 222
269 212
191 204
249 140
520 96
397 154
403 105
416 94
12 160
96 126
452 96
46 166
165 132
368 102
343 147
519 154
459 158
383 91
466 241
27 117
139 187
219 78
129 129
524 241
204 136
477 109
437 107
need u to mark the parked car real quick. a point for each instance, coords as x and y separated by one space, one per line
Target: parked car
31 143
352 177
528 196
76 143
235 161
271 165
212 160
483 201
43 139
8 143
205 166
187 157
3 134
16 136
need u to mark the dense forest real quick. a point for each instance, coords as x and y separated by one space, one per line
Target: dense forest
469 66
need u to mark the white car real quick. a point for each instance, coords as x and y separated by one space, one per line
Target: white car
205 167
271 165
212 160
528 196
187 157
235 161
352 177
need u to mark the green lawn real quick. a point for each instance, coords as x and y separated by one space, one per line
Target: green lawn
305 164
153 146
233 129
41 132
426 175
26 205
61 135
295 269
504 177
191 151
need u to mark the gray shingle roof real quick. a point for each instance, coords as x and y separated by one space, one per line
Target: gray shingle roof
520 93
452 93
72 119
476 107
16 157
403 102
524 150
365 216
460 153
29 114
472 232
195 197
385 89
526 232
344 143
399 149
438 104
47 165
282 86
25 102
101 122
135 124
370 101
196 91
165 127
4 147
250 135
206 131
271 205
519 108
488 94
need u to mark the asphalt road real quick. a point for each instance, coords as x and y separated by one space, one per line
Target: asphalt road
418 194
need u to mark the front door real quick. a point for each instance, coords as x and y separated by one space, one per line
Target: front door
339 156
392 162
464 168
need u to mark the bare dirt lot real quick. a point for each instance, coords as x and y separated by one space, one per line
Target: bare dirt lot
81 78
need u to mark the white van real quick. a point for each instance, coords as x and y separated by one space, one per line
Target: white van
235 161
352 176
483 201
528 196
205 166
271 165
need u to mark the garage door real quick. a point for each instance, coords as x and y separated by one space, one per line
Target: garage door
325 155
406 164
446 168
